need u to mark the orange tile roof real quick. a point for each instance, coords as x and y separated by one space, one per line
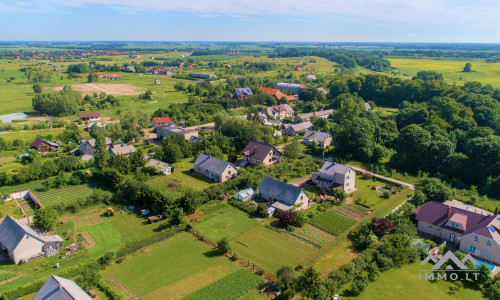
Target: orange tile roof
269 91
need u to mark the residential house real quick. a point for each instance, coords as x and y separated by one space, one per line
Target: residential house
164 72
324 114
289 98
471 232
297 68
87 147
295 87
333 176
122 149
323 139
169 130
58 288
166 169
368 106
311 77
43 146
293 130
260 154
242 92
245 195
283 196
90 117
215 169
202 75
322 90
161 121
269 91
22 244
115 77
281 111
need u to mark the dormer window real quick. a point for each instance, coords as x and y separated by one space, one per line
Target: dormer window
476 238
455 225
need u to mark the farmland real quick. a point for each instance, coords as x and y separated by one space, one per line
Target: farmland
64 196
228 222
332 222
230 287
271 250
181 264
486 73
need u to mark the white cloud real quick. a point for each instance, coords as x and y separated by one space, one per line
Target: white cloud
412 34
477 14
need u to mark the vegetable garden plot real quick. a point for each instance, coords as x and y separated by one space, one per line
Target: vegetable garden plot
332 222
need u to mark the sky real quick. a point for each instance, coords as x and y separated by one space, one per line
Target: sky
434 21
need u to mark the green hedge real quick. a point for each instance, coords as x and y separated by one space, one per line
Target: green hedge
130 248
109 291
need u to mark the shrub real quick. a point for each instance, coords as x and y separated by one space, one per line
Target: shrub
291 228
223 246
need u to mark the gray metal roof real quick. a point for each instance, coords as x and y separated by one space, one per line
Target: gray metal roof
58 288
158 163
212 164
316 135
330 168
12 231
281 191
240 92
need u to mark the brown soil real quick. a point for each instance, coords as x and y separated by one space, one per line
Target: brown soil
89 241
109 88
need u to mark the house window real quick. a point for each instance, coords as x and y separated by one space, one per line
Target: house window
472 248
455 225
476 238
488 242
347 178
347 184
430 226
438 229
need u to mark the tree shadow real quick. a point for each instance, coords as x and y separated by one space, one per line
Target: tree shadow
211 253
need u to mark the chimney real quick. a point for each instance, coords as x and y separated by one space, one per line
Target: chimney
255 149
449 212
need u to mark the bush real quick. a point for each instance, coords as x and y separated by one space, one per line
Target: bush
223 246
386 195
291 228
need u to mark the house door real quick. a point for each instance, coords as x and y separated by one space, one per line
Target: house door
452 237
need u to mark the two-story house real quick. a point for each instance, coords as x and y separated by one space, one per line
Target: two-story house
215 169
256 154
333 176
472 232
281 111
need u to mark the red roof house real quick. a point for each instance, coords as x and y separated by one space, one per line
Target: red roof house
160 121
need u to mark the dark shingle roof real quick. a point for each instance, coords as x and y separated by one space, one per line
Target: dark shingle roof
257 150
316 135
280 190
330 168
58 288
212 164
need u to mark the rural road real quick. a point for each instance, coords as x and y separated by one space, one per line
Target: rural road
300 181
411 186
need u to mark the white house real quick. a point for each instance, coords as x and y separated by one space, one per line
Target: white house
22 244
333 176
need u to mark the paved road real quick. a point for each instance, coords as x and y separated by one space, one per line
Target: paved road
411 186
300 181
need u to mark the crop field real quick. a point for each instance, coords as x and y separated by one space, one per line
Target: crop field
313 234
271 250
230 287
229 222
332 222
486 73
65 195
180 266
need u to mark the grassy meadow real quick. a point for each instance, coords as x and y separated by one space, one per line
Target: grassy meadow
486 73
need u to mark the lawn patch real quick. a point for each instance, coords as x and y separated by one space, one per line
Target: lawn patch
229 222
332 222
271 250
230 287
106 236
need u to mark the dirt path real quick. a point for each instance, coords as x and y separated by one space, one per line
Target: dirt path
129 292
301 181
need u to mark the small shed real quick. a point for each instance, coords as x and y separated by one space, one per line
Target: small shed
145 212
271 210
245 195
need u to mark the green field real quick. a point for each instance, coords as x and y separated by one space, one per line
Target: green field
271 250
174 268
10 208
228 222
106 236
332 222
486 73
230 287
404 283
66 195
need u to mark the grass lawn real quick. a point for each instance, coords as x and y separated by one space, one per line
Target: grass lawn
182 176
106 236
271 250
64 195
341 254
229 222
404 283
486 73
253 295
10 208
172 269
364 195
